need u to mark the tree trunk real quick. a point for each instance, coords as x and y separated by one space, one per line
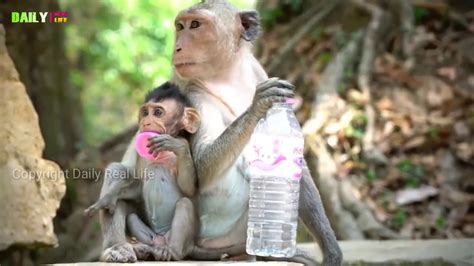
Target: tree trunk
37 50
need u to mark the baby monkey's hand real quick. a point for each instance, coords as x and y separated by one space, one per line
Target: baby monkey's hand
165 142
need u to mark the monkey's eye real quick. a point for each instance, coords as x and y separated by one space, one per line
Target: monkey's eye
144 112
179 26
195 24
158 112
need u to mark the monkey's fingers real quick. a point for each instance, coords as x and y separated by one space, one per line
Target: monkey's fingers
275 82
286 84
275 91
157 139
164 145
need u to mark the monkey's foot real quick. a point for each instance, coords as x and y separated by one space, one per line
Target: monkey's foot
143 251
164 254
159 241
122 252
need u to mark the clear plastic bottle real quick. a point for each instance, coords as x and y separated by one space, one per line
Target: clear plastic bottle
275 160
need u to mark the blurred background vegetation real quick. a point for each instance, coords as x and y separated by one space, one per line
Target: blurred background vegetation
119 50
390 146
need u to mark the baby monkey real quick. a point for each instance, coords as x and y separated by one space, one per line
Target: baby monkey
164 184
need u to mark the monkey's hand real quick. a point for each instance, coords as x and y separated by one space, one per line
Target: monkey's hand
165 142
106 202
186 177
271 91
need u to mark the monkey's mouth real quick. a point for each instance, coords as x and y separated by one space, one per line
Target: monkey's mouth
184 64
153 130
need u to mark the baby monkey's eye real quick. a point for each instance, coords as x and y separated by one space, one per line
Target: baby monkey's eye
144 112
179 26
158 112
195 24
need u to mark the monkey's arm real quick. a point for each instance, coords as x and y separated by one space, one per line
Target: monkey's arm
118 184
186 177
214 155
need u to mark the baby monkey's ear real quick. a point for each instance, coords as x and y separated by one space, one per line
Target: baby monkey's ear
191 120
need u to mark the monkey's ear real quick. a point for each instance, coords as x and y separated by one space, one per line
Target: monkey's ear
251 23
191 120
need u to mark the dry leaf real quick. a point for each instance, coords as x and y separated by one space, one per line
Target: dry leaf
415 142
411 195
465 151
447 72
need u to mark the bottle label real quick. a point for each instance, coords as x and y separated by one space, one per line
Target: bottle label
275 156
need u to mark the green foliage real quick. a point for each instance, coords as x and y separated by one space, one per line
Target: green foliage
434 133
411 173
420 14
371 175
295 4
399 219
356 129
440 223
119 50
269 17
353 132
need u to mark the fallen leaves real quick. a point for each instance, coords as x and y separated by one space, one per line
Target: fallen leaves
411 195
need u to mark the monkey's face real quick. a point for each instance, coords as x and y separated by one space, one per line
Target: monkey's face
201 47
162 117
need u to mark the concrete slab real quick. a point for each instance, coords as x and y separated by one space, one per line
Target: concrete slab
368 252
404 252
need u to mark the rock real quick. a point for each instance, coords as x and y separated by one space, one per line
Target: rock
31 188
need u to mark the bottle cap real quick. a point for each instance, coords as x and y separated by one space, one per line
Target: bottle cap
141 143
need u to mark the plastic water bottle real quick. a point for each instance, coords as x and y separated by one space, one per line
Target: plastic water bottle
274 158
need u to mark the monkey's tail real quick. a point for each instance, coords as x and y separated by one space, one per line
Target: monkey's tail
199 253
300 256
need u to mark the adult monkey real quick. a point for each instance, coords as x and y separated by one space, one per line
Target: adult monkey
215 66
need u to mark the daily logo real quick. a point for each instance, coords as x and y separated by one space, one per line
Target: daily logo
39 17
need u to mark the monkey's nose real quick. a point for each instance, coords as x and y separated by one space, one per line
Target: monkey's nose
178 49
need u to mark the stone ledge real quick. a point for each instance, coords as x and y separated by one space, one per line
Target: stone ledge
404 252
188 263
368 252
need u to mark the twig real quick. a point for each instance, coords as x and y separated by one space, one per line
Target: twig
328 7
326 103
407 18
119 138
343 222
363 80
365 219
303 18
326 97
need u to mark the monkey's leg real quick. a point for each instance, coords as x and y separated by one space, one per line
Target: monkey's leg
236 236
142 232
181 235
115 245
183 229
312 213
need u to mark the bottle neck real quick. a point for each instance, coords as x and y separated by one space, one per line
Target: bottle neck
282 105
